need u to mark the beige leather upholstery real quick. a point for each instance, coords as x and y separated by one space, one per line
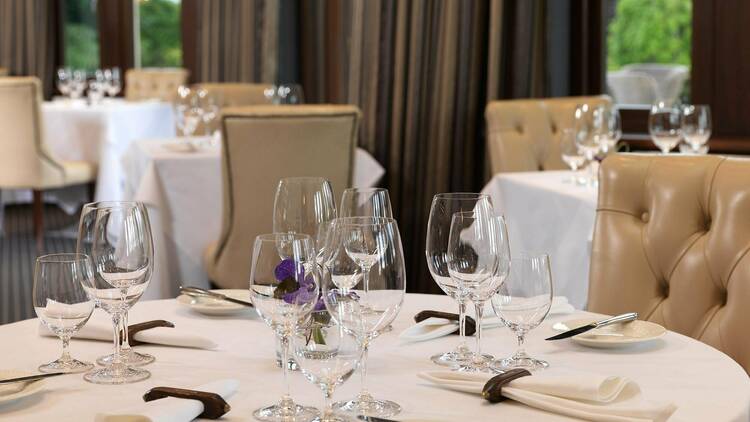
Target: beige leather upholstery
671 242
154 83
261 145
4 71
236 94
25 162
524 135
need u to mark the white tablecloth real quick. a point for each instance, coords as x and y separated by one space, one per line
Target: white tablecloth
705 384
546 212
183 190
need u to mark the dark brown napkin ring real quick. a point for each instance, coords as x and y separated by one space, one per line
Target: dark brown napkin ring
492 390
214 406
141 326
471 326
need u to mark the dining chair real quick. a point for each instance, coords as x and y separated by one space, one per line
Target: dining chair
260 146
153 83
25 162
4 71
524 134
234 94
671 242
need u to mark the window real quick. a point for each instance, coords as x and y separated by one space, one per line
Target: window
648 45
81 39
158 40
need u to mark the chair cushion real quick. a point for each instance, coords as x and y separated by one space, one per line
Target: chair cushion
78 172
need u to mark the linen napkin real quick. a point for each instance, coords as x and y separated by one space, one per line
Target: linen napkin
432 328
580 395
170 409
99 327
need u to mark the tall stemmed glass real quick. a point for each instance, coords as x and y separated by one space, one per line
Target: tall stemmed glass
522 303
302 204
664 126
571 153
365 305
609 126
365 202
61 303
479 258
118 236
284 287
444 205
64 81
588 137
696 126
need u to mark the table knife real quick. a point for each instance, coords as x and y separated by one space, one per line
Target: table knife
31 377
197 291
374 419
631 316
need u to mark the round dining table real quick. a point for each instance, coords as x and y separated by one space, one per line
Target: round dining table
704 383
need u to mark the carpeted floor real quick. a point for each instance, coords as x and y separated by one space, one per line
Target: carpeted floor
18 252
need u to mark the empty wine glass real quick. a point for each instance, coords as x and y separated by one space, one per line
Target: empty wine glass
61 303
444 205
113 81
119 238
64 80
327 356
588 137
522 303
284 289
609 127
570 152
78 84
664 126
365 202
479 258
290 94
210 111
696 126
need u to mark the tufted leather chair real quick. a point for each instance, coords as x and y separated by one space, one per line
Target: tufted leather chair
153 83
524 135
671 242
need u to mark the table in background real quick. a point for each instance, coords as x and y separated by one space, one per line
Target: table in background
547 212
704 383
183 190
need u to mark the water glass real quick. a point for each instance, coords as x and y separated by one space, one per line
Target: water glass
570 152
588 133
695 125
366 202
664 126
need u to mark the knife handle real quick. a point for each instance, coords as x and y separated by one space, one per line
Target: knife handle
630 316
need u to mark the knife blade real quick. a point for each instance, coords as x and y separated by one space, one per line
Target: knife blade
197 291
374 419
631 316
28 378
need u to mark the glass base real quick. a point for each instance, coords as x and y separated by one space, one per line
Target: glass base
129 358
365 404
72 366
522 361
116 375
286 411
335 417
461 353
483 364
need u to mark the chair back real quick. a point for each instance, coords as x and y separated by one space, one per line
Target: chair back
262 145
230 94
154 83
671 242
4 71
524 135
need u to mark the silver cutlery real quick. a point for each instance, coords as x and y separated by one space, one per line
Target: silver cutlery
29 378
631 316
198 292
374 419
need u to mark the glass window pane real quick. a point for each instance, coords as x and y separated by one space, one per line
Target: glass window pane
160 38
81 37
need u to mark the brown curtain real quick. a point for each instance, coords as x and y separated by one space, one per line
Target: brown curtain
230 40
28 39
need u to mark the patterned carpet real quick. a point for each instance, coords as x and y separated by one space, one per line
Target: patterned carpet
18 252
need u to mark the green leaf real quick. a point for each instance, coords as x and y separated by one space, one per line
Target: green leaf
288 285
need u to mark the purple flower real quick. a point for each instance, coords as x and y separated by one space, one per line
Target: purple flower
300 296
286 269
319 305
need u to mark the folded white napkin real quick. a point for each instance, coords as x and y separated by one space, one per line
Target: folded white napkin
170 409
432 328
586 396
99 327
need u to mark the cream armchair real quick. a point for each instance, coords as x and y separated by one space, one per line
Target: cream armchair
25 162
231 94
524 135
671 242
261 145
154 83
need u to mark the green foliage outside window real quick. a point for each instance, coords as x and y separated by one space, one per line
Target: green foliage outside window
650 31
161 41
80 35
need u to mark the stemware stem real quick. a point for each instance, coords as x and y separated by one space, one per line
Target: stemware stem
125 346
65 357
116 320
479 313
284 341
363 370
328 396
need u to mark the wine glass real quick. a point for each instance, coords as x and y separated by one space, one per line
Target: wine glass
327 356
664 126
64 81
290 94
609 126
522 303
78 84
114 83
696 126
284 282
118 234
61 303
570 152
444 205
187 112
479 258
366 202
588 137
363 291
207 103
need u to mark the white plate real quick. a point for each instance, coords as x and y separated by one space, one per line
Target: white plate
615 335
210 306
15 391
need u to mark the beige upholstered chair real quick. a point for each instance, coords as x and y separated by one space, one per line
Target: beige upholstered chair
524 135
261 145
154 83
25 162
231 94
671 242
4 71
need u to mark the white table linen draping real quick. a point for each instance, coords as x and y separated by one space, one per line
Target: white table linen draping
183 191
703 383
548 213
